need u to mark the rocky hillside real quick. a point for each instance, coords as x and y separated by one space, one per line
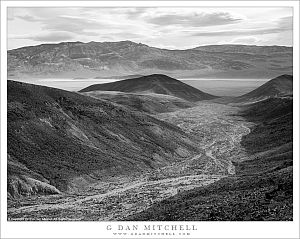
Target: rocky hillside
116 59
64 141
261 190
149 103
280 86
157 83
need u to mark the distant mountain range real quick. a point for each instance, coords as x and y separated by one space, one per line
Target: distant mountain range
125 58
157 83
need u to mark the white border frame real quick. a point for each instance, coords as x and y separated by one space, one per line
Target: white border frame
98 229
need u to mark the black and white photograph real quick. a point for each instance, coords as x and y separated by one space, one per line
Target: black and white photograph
150 113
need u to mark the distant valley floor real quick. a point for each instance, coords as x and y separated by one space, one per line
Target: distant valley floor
219 87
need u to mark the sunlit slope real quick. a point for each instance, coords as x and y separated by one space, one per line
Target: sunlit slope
150 103
277 87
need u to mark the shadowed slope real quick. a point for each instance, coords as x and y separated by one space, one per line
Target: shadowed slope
274 119
60 136
159 84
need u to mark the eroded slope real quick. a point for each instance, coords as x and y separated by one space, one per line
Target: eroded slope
71 140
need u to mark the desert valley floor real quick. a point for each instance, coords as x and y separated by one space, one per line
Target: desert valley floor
219 130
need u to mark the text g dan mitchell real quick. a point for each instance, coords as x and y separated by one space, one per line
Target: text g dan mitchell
151 227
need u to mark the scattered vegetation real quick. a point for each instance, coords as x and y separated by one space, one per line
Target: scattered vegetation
262 188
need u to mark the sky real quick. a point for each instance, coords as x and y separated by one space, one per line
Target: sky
163 27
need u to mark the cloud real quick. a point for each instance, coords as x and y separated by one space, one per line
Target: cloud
46 37
286 23
281 25
10 14
239 32
246 40
157 26
73 25
133 13
127 35
28 18
52 37
195 19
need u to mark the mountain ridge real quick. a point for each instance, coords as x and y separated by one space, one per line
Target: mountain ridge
106 59
132 42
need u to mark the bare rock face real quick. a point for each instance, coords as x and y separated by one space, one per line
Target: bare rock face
25 186
22 181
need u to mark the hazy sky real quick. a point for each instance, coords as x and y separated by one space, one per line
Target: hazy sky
164 27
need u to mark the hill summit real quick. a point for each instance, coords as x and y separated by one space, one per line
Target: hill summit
277 87
156 83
